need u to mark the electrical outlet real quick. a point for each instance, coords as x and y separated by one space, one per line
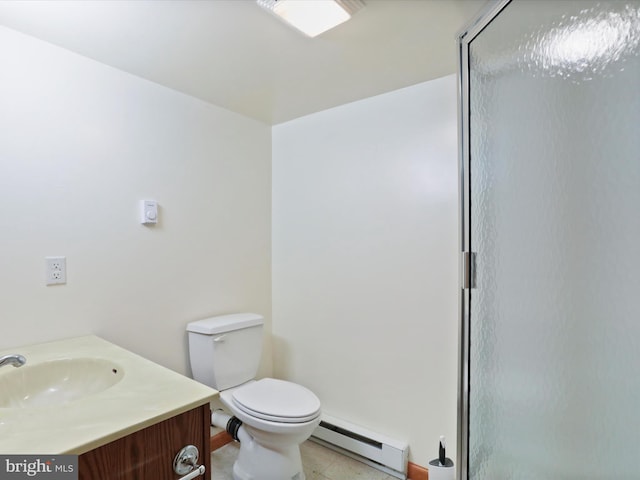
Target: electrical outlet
56 270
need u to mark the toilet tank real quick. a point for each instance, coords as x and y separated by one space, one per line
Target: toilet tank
225 351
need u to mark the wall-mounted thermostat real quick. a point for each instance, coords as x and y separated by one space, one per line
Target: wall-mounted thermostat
149 212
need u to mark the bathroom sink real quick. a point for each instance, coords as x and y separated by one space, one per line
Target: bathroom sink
56 382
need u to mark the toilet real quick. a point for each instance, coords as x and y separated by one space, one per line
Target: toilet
270 418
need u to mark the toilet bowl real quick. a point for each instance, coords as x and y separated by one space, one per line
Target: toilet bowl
277 417
269 417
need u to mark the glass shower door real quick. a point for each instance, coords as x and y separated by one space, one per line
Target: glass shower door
551 99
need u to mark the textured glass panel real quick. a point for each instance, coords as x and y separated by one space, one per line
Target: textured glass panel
555 220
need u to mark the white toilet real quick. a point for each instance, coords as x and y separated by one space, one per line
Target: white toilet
271 418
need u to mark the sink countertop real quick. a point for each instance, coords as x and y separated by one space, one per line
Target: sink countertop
147 394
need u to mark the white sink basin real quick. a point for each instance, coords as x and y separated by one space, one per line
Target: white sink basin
56 382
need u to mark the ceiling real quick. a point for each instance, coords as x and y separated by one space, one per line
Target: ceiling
234 54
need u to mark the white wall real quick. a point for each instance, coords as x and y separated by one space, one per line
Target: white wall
80 145
364 231
365 263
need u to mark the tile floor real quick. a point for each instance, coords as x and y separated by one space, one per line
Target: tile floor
320 463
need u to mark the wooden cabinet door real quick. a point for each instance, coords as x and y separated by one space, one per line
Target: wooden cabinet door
148 454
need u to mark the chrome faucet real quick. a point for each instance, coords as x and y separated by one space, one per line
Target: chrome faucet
15 360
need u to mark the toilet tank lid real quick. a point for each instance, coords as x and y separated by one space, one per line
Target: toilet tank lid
225 323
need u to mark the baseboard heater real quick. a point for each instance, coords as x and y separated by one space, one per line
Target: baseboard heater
376 450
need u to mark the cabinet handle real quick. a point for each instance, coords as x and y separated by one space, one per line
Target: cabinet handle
196 473
186 462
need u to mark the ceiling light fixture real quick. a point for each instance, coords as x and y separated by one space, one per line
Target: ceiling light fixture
312 17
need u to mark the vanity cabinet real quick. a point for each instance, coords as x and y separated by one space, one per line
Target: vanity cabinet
148 453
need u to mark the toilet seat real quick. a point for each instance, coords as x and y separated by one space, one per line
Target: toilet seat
277 401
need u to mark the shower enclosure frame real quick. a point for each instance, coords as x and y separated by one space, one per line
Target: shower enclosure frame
548 382
466 260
